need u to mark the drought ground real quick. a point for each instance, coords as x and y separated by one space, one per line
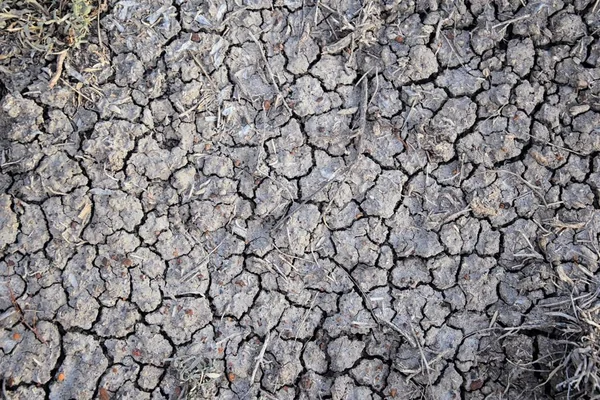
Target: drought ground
302 199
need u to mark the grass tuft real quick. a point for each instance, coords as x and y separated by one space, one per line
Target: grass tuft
195 375
49 27
46 26
575 371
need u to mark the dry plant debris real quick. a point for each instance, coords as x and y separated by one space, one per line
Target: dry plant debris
48 27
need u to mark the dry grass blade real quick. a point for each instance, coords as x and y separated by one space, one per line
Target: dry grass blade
260 357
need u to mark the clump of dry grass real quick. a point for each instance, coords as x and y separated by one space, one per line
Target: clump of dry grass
575 371
195 375
361 31
49 27
37 29
42 28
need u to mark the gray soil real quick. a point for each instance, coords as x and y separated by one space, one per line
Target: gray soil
298 200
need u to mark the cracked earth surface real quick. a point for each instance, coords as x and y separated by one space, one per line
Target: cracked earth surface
298 200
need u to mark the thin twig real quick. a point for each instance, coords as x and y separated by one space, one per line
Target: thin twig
100 8
362 123
305 317
363 295
201 264
268 395
293 210
555 145
534 188
260 357
79 92
12 162
205 73
452 47
400 331
456 214
510 21
441 22
59 67
376 86
423 358
17 307
4 394
264 57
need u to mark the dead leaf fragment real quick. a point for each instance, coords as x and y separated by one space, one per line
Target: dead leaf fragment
85 211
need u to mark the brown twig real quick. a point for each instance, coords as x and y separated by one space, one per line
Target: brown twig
59 67
13 300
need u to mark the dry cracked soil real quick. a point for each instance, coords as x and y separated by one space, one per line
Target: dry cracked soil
299 199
